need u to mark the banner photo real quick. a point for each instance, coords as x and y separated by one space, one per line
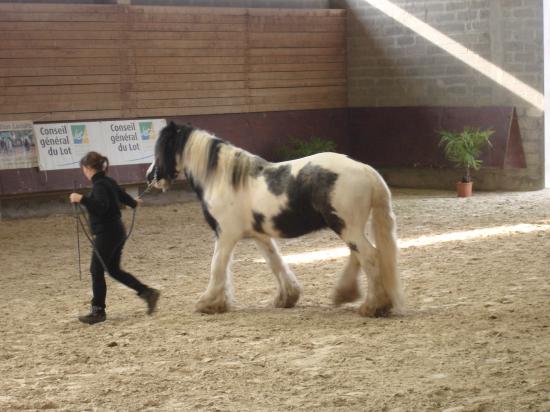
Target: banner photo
17 148
124 142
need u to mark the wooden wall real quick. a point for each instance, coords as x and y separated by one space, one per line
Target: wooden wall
77 62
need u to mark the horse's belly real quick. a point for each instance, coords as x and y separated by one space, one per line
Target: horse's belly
290 223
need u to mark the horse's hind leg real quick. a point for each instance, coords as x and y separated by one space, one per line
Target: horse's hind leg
218 297
289 288
347 289
377 302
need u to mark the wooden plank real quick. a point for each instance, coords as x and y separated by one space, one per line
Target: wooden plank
289 91
309 43
192 77
56 106
201 52
296 19
188 86
58 80
297 59
186 44
182 61
58 8
301 51
340 73
200 102
294 67
59 17
56 96
57 71
194 68
270 107
178 94
187 27
169 17
60 89
262 84
58 53
295 12
313 27
63 116
207 11
61 44
295 40
60 35
61 26
58 62
183 111
298 97
169 35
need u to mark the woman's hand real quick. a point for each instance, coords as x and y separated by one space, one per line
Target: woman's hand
75 197
139 201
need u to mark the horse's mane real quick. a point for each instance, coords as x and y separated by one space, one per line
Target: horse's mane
207 160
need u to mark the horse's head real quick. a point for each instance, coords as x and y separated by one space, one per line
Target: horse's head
168 153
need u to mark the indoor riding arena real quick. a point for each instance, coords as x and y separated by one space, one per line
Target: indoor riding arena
264 266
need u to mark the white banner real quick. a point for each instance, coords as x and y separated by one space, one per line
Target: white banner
124 142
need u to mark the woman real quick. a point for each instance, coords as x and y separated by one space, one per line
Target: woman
103 205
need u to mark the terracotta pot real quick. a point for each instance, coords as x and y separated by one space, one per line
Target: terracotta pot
464 189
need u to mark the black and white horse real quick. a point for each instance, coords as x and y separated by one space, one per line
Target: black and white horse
245 196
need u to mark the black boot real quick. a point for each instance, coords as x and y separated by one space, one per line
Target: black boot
97 314
150 296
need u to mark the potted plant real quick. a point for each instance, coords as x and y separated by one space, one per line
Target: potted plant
297 148
463 149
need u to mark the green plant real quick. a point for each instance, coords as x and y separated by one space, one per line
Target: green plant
301 148
464 148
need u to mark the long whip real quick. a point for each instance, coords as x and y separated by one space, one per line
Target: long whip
75 212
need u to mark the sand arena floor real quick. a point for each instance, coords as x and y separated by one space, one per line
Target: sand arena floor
476 336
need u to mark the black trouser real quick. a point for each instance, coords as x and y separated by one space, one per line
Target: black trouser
109 244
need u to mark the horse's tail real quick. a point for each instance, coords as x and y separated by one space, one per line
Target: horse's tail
385 236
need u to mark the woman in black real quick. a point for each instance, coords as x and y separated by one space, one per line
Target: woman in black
103 205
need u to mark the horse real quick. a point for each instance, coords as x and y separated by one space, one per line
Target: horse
245 196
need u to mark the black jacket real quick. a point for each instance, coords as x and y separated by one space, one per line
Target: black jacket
103 203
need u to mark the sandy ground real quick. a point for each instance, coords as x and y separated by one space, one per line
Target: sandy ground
476 336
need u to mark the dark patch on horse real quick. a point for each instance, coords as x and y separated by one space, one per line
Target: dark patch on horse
197 188
214 154
277 178
309 208
171 142
352 246
258 222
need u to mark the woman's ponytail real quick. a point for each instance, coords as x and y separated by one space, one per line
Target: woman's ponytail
95 161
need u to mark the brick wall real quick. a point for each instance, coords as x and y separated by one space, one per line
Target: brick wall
390 65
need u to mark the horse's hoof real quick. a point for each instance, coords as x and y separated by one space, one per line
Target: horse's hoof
369 311
345 296
210 308
288 301
366 310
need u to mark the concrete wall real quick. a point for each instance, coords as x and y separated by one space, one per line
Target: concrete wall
391 65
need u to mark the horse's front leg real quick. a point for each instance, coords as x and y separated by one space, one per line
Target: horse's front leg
289 288
218 297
